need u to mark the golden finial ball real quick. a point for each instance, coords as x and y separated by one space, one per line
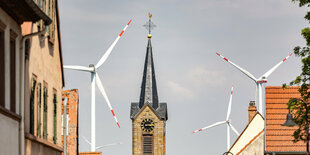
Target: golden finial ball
149 36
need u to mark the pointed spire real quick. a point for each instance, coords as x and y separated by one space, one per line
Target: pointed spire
148 93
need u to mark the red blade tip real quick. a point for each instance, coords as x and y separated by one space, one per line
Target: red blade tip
118 125
129 22
113 112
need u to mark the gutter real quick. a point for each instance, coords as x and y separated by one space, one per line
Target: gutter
285 152
22 103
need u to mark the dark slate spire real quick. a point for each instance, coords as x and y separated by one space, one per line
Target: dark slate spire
148 94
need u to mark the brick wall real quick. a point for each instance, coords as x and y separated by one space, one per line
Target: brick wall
72 112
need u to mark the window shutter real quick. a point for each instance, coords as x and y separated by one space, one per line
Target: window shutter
55 119
45 114
39 93
147 145
33 85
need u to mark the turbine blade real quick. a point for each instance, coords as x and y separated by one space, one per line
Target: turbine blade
99 84
275 67
241 69
86 140
79 68
233 128
210 126
99 147
230 100
108 52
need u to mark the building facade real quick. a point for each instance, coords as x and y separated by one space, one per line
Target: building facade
12 15
251 140
44 81
148 115
72 124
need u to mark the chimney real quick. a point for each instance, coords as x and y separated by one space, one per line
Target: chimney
252 110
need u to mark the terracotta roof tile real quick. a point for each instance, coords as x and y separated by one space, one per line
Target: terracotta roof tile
279 138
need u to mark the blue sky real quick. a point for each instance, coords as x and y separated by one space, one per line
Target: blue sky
191 78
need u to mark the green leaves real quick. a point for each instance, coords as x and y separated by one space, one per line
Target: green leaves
302 2
298 108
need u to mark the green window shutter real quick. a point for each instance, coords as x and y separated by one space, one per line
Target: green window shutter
33 86
45 114
39 110
49 14
55 119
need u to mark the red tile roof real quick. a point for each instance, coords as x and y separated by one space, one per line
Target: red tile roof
279 138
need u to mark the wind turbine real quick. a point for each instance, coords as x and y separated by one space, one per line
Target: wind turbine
259 82
100 147
95 79
227 121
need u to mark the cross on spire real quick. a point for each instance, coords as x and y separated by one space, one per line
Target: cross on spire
149 25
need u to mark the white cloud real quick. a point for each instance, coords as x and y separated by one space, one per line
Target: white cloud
200 76
180 90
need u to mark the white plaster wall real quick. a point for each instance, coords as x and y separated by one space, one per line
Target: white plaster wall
9 140
245 139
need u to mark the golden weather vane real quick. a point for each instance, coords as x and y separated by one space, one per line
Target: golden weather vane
149 25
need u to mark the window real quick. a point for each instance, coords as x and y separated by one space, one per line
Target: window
39 105
2 65
55 116
32 98
44 6
13 36
52 15
148 144
45 96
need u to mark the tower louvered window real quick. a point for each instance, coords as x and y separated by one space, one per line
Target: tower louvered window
148 144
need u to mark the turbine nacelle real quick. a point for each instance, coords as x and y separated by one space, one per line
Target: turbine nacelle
262 81
93 67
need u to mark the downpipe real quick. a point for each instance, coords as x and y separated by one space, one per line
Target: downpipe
23 88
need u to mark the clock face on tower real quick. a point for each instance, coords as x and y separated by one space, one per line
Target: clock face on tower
147 125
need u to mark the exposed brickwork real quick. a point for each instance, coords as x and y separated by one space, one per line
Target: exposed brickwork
252 110
279 138
72 111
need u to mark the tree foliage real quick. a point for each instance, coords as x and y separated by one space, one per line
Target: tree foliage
298 108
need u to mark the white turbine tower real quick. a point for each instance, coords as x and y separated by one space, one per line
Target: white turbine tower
259 82
95 79
227 121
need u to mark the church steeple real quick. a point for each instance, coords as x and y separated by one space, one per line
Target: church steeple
148 94
149 117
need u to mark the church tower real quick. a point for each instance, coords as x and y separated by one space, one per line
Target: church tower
148 115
